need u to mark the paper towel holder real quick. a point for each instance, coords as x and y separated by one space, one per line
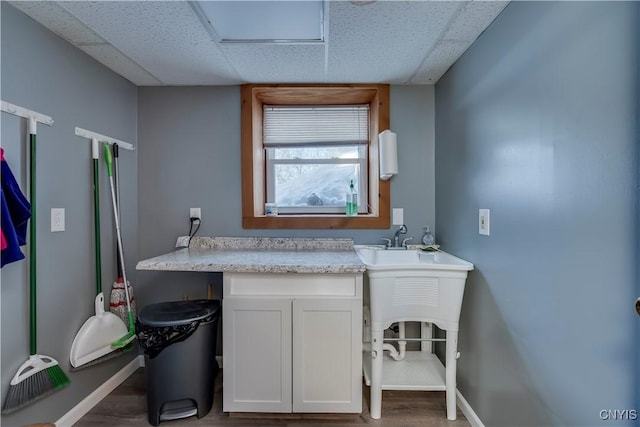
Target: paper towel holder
388 154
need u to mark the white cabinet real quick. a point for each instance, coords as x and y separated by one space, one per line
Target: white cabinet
327 373
257 354
292 342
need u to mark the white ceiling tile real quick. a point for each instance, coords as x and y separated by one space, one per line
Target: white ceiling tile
277 63
439 60
383 41
260 20
165 38
58 20
473 18
122 65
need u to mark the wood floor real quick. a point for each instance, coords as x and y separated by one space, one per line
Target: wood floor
127 406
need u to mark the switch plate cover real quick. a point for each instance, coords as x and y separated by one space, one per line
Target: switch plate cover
57 219
484 221
398 216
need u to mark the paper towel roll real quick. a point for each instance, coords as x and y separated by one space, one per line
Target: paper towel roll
388 150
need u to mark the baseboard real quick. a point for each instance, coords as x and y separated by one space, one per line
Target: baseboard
468 411
100 393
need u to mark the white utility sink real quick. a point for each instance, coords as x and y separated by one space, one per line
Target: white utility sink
412 286
377 258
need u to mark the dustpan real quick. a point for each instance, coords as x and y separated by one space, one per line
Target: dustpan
96 336
99 332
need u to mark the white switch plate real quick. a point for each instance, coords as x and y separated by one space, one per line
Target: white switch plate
195 213
484 221
57 219
398 216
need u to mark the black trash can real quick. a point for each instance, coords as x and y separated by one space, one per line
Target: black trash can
179 342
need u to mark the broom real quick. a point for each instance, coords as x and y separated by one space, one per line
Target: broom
117 302
40 375
131 334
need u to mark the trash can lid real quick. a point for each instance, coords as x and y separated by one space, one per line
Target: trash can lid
175 313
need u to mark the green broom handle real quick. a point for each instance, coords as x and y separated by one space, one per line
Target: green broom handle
96 213
32 239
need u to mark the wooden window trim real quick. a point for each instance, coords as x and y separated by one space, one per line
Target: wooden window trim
253 162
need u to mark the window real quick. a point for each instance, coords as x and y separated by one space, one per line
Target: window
313 154
307 173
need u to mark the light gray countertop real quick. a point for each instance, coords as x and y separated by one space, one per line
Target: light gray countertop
260 255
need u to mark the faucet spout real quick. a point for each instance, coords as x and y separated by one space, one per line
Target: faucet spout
396 237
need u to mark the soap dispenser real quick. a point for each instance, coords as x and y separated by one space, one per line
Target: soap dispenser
427 238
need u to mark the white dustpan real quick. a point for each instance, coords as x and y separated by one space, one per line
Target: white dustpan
96 335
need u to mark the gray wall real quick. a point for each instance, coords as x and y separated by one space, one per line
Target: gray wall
538 122
42 72
190 157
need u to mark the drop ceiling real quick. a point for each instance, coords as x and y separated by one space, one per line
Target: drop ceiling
157 43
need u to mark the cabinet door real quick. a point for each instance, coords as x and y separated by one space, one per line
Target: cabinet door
327 357
257 354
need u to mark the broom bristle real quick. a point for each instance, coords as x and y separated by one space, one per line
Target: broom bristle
33 388
58 377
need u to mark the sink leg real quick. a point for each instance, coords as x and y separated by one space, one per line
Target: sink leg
426 332
451 360
375 400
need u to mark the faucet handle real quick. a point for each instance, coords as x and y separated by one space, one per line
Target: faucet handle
388 245
404 241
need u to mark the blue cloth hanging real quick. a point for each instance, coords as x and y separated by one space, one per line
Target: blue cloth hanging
15 211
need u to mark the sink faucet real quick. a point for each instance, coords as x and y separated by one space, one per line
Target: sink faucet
396 237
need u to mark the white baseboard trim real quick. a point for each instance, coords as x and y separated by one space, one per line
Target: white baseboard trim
78 411
468 411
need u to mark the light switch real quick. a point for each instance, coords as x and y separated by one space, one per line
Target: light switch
57 219
398 216
484 222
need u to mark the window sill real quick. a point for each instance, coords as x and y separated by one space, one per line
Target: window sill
337 221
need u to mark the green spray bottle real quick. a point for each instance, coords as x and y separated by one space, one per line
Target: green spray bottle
352 201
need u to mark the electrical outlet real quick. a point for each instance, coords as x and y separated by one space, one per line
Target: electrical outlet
484 222
195 213
57 219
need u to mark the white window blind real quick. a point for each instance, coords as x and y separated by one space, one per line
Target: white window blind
318 125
